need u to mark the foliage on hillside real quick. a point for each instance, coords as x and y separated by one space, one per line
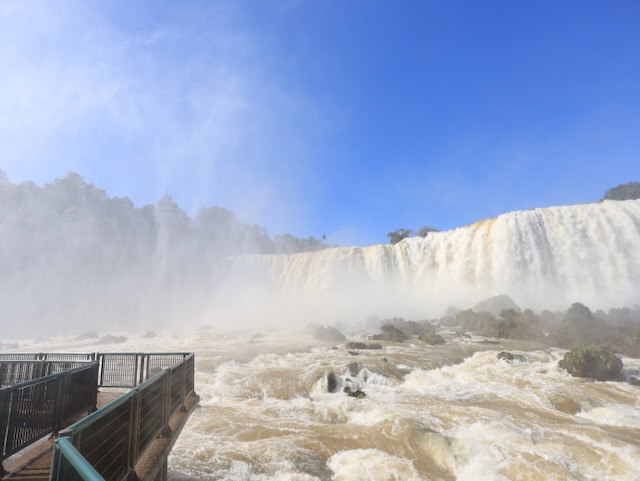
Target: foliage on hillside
628 191
70 251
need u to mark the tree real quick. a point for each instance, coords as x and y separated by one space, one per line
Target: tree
578 314
424 231
398 234
628 191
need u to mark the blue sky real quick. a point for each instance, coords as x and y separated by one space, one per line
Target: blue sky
344 118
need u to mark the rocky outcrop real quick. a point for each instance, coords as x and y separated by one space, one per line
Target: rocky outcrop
390 333
354 393
332 382
363 345
431 337
592 361
328 333
511 357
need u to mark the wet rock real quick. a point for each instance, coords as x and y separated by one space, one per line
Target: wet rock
204 327
592 361
149 335
363 345
634 380
431 337
332 382
354 368
389 333
328 333
354 393
511 357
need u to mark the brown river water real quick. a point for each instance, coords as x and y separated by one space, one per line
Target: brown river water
449 412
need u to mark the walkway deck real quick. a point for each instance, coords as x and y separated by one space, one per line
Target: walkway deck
34 463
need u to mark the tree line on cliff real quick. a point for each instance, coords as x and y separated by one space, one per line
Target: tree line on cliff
628 191
69 250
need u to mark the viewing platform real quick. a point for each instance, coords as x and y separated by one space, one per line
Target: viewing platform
93 416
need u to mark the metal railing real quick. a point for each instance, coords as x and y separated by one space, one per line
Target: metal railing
71 464
19 371
112 439
118 370
127 369
30 410
47 356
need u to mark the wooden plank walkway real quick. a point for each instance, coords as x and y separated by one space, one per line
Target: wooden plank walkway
34 463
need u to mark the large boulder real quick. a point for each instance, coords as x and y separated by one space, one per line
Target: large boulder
332 382
592 361
328 333
363 345
511 357
390 333
431 337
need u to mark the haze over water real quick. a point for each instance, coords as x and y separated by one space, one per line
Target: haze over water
450 412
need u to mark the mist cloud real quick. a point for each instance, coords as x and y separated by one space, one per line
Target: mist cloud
149 100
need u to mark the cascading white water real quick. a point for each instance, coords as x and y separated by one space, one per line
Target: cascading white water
543 258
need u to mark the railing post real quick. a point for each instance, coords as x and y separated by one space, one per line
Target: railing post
183 387
134 435
141 364
94 385
166 403
4 424
61 402
10 403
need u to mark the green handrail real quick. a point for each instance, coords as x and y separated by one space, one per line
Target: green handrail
79 463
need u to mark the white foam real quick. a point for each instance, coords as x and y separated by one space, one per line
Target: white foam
613 415
371 465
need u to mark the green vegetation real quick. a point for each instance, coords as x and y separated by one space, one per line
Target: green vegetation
618 330
398 235
424 231
431 337
592 361
628 191
89 258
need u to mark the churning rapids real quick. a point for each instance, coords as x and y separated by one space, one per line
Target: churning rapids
449 412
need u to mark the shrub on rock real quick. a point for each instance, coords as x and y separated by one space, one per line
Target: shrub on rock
431 337
592 361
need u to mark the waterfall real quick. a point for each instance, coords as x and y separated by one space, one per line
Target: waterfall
544 258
